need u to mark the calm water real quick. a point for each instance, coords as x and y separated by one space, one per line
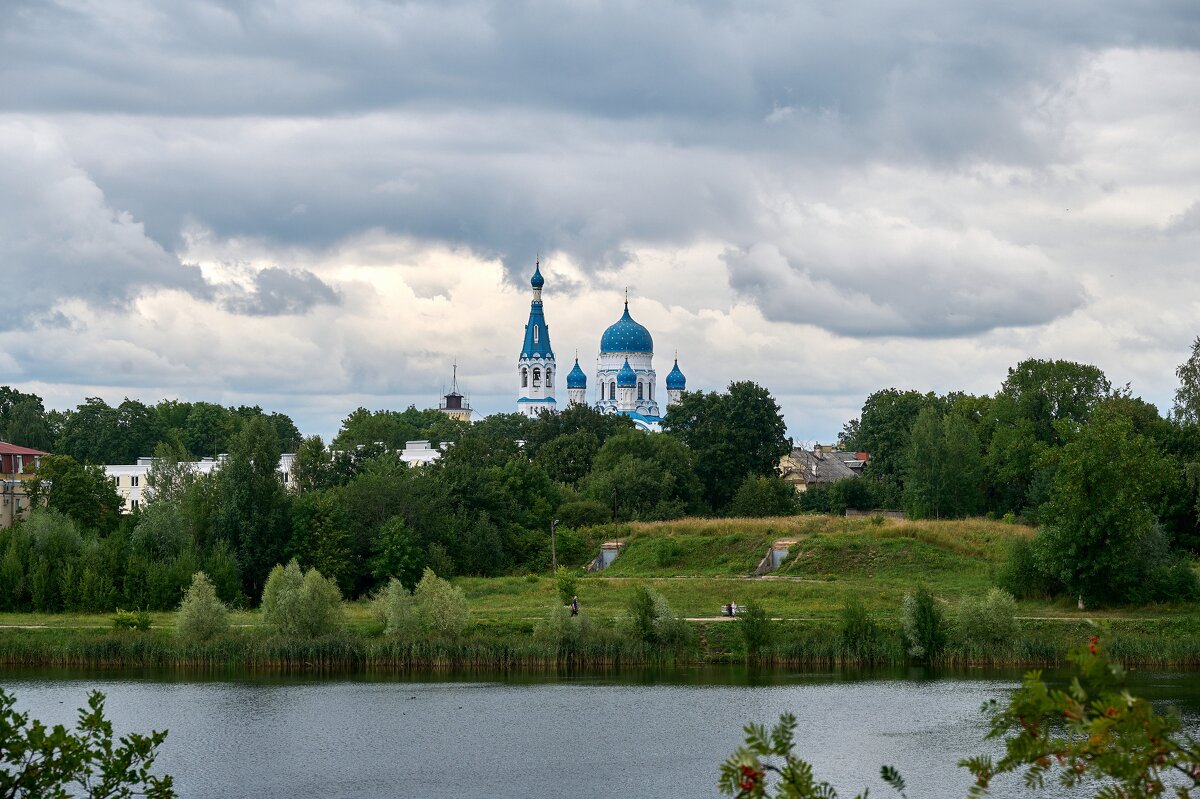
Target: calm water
630 735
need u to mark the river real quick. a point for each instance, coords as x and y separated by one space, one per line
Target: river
639 734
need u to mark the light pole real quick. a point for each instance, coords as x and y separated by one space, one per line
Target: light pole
553 547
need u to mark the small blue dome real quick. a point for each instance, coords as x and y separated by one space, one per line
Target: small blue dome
537 281
626 335
626 378
576 378
675 379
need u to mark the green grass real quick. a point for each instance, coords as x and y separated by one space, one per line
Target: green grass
699 565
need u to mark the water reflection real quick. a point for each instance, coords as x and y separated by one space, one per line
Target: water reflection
643 732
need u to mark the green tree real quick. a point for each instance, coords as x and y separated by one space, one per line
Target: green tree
313 467
568 458
208 429
92 435
735 434
1187 397
321 537
924 624
1099 512
944 467
82 492
302 604
644 476
1093 731
40 762
441 607
884 431
25 424
397 554
250 510
139 431
201 616
759 496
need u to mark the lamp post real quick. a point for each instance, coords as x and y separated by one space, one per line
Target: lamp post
553 546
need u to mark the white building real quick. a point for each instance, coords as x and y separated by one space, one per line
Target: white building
626 382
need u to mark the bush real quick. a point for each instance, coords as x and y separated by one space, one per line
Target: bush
650 619
754 623
987 621
859 633
201 615
565 632
760 496
1022 576
302 604
583 513
441 607
564 581
131 620
397 610
924 625
41 761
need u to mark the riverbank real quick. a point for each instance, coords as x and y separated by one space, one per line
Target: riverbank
493 646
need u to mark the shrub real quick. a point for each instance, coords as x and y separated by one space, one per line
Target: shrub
131 620
441 607
754 623
41 761
564 581
439 560
987 621
564 631
201 615
300 604
759 496
1022 576
650 619
923 624
397 610
859 633
583 513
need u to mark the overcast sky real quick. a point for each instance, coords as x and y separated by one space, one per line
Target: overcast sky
313 206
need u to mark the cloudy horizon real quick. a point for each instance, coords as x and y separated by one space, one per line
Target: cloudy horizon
313 206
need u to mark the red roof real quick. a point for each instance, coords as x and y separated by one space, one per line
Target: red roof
13 449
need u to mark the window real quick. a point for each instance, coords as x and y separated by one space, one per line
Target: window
640 390
524 378
602 391
133 480
537 377
535 334
134 503
549 378
612 389
651 392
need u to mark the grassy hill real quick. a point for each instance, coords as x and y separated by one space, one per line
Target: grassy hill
701 564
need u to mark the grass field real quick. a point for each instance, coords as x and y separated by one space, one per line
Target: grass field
699 565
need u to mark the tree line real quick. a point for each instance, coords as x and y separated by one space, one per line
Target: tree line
361 516
95 432
1112 485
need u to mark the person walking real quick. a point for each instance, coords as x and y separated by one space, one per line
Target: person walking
575 606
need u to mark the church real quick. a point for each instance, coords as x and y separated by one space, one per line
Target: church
626 382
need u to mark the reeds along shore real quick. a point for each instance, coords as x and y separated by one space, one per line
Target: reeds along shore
1148 645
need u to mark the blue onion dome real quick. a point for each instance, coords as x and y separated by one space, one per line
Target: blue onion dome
675 379
626 378
537 281
576 378
626 335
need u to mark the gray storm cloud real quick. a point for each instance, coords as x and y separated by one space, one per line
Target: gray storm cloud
964 174
60 238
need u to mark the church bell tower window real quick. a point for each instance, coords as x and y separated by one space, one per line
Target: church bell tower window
537 376
524 378
640 389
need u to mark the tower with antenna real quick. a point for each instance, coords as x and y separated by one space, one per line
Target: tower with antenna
455 405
